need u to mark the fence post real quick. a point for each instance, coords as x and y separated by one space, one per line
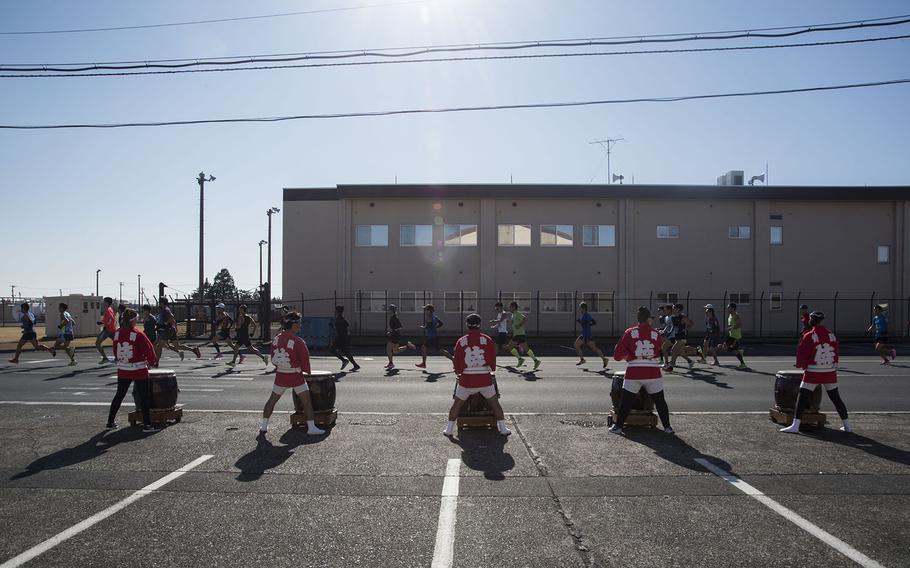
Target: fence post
359 313
835 313
688 293
538 313
189 317
651 301
761 314
725 311
303 305
799 326
212 328
574 311
613 313
460 311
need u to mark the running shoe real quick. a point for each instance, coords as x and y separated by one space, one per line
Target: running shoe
181 355
217 356
411 345
846 428
503 429
356 367
742 366
151 428
231 364
111 425
449 429
886 362
314 431
263 425
72 363
241 359
536 364
71 352
197 353
265 359
420 365
104 361
521 362
606 361
53 352
343 365
390 367
669 430
893 354
14 361
615 429
580 363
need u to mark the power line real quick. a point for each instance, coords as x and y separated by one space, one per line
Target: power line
455 109
427 50
218 20
452 59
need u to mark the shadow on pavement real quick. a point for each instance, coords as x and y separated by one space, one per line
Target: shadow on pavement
75 372
433 377
95 446
483 450
267 455
672 448
859 442
706 377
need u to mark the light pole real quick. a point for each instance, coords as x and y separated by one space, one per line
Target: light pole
97 272
201 181
120 299
262 242
270 212
12 288
138 290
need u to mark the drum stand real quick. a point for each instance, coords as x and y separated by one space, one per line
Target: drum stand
475 414
162 416
809 418
322 418
635 418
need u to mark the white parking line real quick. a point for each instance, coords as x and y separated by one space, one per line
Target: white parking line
443 553
50 543
811 528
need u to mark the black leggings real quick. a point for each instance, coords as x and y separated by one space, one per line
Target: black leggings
626 400
143 391
805 397
343 352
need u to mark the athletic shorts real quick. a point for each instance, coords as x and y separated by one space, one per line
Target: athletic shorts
652 386
394 337
29 335
105 334
65 337
502 339
733 343
811 386
298 389
167 335
432 342
881 339
711 340
586 338
519 339
243 339
462 393
224 334
343 342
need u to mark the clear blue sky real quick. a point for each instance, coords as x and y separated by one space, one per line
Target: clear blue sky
126 201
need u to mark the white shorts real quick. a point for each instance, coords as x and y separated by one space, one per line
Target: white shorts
280 390
651 385
811 386
462 393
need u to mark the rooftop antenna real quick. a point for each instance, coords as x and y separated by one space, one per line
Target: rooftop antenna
607 144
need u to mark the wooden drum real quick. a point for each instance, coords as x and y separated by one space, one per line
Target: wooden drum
786 389
163 386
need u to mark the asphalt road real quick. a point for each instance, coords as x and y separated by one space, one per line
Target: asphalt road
385 488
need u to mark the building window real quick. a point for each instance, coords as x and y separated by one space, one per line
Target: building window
740 232
667 297
740 298
416 236
515 235
556 235
667 231
371 301
599 235
777 235
372 235
777 302
461 235
458 302
776 216
884 254
598 302
556 302
523 299
413 301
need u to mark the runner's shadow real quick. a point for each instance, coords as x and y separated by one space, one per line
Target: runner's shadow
842 370
706 377
482 450
672 448
75 372
859 442
95 446
267 455
433 377
392 372
602 372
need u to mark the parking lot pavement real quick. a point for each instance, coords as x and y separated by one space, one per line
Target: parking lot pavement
560 491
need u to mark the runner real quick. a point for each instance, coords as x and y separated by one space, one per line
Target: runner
27 321
393 345
735 334
244 322
586 320
134 354
223 324
640 345
292 361
665 329
501 324
817 354
167 333
431 323
66 334
805 326
109 323
149 324
681 324
520 338
475 363
879 328
712 335
341 343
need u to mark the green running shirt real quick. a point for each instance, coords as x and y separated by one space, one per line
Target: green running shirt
518 323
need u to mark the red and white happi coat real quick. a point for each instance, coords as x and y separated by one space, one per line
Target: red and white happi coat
640 346
475 360
818 354
133 353
291 358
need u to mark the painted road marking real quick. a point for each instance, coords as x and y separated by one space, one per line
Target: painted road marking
50 543
811 528
106 388
443 553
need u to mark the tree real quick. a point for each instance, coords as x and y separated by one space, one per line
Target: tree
223 287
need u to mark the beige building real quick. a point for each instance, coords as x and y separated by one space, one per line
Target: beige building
838 249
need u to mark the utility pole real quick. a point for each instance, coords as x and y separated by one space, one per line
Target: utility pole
97 272
270 212
121 294
262 242
607 144
201 181
12 291
138 290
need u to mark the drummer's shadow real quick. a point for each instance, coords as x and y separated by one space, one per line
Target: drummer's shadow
673 449
863 443
267 455
483 450
96 446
